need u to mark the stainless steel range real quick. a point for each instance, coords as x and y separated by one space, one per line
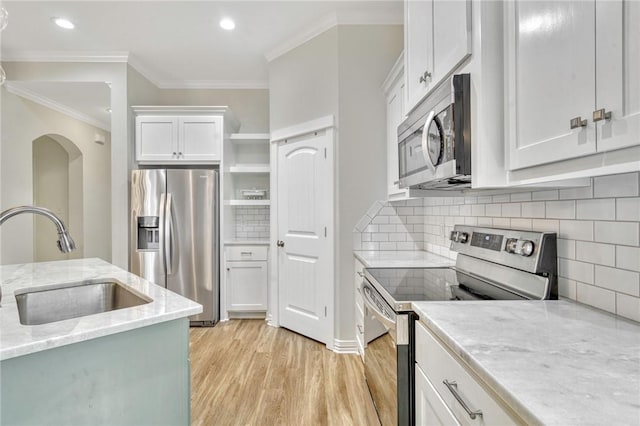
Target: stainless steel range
492 264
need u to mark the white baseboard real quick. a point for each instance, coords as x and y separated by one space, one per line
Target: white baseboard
247 315
345 346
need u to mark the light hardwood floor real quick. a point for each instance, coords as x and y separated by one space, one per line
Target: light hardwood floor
244 372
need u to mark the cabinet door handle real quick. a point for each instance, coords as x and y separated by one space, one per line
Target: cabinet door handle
361 274
453 388
601 114
578 122
280 243
423 77
360 328
246 253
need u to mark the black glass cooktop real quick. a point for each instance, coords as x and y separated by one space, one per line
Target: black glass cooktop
436 284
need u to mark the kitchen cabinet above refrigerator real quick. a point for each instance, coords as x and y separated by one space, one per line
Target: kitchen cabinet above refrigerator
181 135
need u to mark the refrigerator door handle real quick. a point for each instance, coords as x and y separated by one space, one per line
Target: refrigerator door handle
168 257
162 232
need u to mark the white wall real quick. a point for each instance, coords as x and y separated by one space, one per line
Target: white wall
23 122
340 73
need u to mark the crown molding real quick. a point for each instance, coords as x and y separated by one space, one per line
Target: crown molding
60 56
56 106
307 33
329 21
213 84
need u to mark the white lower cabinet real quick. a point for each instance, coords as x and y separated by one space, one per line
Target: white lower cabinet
246 279
448 393
359 308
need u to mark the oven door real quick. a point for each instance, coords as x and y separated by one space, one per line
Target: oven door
388 359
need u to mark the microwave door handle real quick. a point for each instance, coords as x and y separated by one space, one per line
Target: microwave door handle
425 147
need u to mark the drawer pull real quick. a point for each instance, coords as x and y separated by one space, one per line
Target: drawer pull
453 388
246 253
361 274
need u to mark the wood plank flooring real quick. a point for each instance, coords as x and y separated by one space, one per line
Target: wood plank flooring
244 372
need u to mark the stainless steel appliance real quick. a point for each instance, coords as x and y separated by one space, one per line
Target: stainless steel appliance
492 264
175 234
434 142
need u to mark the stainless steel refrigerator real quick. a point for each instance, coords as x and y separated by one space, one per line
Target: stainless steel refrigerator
175 234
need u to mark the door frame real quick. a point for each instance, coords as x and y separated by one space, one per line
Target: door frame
297 132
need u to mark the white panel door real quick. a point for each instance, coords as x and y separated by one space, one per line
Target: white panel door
618 73
247 286
551 80
156 138
305 272
200 138
418 49
431 410
451 36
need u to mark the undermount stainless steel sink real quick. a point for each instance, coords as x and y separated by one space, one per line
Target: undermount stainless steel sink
73 300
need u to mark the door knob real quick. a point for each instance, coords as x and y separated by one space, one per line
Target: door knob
578 122
280 243
601 114
423 77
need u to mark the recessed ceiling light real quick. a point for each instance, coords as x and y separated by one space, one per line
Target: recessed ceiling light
227 24
63 23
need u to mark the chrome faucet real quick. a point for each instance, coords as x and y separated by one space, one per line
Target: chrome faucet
65 242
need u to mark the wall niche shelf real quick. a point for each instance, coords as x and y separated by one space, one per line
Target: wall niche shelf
247 202
250 168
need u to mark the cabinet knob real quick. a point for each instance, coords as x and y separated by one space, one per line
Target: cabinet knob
425 76
180 154
174 153
578 122
228 269
280 243
601 114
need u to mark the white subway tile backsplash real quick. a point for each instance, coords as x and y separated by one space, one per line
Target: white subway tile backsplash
252 222
601 254
601 209
628 306
521 196
624 185
576 229
628 258
598 229
566 248
619 280
561 209
626 233
579 271
511 210
545 195
534 209
628 209
596 296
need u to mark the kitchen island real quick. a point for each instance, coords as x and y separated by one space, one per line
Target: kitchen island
126 366
551 362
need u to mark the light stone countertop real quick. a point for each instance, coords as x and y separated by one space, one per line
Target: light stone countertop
401 259
17 339
553 362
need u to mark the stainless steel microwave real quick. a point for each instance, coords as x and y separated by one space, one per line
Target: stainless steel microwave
434 142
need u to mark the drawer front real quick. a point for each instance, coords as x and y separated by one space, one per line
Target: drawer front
431 410
439 365
235 253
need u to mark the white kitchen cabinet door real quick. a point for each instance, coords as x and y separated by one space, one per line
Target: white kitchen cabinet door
418 49
156 138
200 138
451 36
247 286
431 410
618 73
437 40
395 115
551 80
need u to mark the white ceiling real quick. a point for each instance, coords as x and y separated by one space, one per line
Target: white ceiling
179 43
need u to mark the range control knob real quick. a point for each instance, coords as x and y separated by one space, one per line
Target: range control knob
463 237
526 248
454 236
510 245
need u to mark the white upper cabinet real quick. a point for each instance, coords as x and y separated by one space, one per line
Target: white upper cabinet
618 73
569 62
181 135
437 40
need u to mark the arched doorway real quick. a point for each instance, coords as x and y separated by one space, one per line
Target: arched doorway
57 185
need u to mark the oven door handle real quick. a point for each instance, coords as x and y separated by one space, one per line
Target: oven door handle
371 304
425 147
